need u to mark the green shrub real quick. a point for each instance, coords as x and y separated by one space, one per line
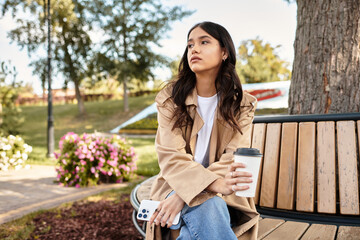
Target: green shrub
89 160
10 117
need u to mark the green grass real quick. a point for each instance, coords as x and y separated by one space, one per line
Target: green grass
147 159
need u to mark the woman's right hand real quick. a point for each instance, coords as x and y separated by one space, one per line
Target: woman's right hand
167 210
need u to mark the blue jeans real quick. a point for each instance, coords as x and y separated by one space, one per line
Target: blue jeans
209 220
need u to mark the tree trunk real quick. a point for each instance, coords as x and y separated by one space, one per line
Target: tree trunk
126 103
80 101
124 31
326 69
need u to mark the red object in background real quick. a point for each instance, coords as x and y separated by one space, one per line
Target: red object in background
262 94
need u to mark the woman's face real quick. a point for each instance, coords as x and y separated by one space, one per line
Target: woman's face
204 52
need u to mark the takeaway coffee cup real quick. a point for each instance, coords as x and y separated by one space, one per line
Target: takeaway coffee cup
251 157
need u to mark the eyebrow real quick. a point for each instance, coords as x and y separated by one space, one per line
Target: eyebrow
201 37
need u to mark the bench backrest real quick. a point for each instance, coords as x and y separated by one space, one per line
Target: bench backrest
309 166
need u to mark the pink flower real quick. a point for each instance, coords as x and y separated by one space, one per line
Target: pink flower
77 185
92 169
64 161
109 173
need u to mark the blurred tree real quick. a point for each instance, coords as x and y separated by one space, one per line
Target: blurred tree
71 44
10 114
326 68
258 62
174 67
131 30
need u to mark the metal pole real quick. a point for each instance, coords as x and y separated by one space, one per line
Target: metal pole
50 127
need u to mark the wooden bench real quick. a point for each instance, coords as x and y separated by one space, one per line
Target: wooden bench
308 186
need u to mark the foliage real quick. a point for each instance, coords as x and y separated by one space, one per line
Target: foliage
71 43
131 30
13 152
258 62
174 67
103 86
10 115
89 159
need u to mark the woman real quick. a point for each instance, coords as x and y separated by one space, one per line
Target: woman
203 117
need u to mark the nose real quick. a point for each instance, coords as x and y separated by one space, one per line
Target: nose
195 49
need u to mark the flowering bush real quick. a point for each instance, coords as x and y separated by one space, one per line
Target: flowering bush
13 152
89 159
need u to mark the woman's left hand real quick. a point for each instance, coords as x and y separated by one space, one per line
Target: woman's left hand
233 177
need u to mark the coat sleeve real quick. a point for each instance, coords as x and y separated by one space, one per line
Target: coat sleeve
239 140
185 176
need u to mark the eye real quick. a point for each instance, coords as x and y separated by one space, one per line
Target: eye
190 45
204 42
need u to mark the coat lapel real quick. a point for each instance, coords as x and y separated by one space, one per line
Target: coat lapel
198 123
224 133
213 142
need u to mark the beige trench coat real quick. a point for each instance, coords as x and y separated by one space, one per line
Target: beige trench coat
189 179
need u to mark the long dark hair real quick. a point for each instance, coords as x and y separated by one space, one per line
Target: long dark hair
227 83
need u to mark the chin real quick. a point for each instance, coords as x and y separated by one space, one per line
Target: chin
196 69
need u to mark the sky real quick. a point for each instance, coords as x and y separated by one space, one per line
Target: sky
273 21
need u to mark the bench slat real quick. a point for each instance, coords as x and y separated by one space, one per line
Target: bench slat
267 225
306 168
286 184
348 172
326 178
348 233
258 141
289 230
271 162
320 231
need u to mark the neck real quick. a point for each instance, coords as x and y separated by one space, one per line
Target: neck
205 85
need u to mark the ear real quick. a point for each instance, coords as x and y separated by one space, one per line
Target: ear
225 55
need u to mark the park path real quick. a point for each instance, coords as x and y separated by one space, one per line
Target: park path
28 190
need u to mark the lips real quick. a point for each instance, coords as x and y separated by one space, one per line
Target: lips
194 59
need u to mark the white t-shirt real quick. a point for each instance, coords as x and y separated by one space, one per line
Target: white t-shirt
206 109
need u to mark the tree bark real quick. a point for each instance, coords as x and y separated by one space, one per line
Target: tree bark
326 68
80 101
